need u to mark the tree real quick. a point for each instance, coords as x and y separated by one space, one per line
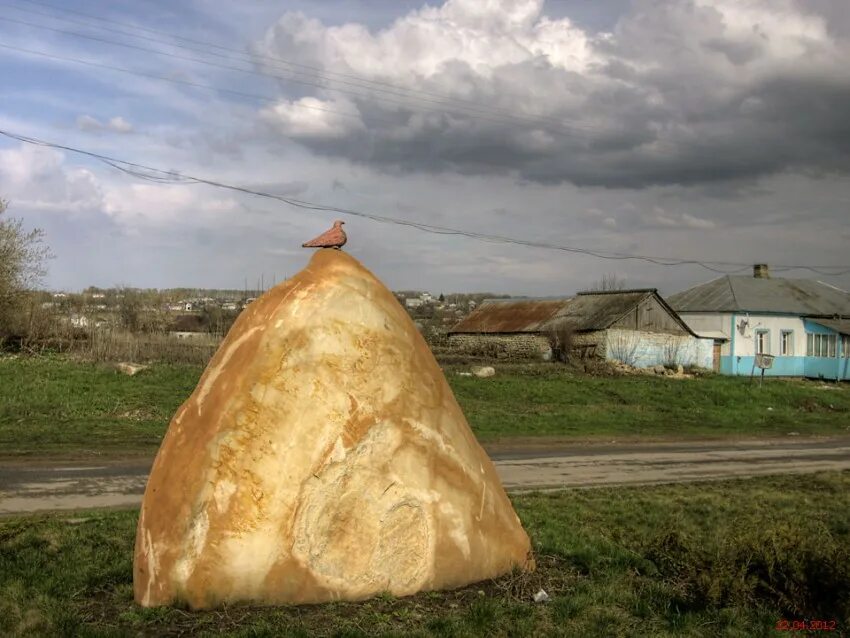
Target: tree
22 266
560 336
610 281
129 308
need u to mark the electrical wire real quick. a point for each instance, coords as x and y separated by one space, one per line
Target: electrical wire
136 169
504 117
252 57
583 134
362 118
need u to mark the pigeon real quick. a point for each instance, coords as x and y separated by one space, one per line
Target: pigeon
333 238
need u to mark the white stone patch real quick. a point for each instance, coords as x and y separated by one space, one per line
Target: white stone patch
338 453
247 557
222 492
457 530
483 495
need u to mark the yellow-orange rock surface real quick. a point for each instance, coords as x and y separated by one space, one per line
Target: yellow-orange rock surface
321 457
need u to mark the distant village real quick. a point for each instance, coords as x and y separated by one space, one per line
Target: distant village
736 325
197 313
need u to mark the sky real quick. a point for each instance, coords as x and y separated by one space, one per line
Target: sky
705 130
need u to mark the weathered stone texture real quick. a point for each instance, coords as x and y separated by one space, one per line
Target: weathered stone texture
321 457
518 346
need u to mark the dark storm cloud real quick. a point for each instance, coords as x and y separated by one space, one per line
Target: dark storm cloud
684 92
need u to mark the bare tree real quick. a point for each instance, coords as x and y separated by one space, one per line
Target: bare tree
609 281
623 347
129 308
672 351
560 336
22 266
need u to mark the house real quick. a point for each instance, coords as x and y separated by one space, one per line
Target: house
804 324
78 321
188 327
413 302
636 327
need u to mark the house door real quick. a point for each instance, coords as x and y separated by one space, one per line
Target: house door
716 357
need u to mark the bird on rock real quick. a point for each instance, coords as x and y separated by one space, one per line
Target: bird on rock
333 238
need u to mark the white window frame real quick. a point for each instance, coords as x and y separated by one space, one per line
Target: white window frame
762 346
824 346
786 343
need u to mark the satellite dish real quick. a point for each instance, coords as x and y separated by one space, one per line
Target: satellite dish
743 327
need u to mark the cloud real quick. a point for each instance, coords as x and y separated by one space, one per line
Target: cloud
38 178
313 119
115 124
158 205
679 92
661 218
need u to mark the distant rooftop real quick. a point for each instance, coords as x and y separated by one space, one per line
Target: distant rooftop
763 294
587 311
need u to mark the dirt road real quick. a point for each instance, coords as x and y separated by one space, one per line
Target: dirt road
31 486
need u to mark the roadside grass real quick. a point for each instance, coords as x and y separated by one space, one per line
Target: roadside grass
552 401
56 405
729 558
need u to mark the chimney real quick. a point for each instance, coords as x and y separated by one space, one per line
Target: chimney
761 271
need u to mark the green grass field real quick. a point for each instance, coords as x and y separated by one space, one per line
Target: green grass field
731 558
55 405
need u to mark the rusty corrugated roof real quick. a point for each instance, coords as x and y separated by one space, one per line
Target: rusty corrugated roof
511 315
587 311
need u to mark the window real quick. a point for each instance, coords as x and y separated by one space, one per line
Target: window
786 343
845 346
818 345
762 342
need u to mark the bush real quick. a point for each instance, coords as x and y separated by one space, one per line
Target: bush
802 570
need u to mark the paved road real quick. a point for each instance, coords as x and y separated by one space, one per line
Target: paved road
34 486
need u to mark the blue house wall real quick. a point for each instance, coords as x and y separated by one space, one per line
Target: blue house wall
837 367
833 368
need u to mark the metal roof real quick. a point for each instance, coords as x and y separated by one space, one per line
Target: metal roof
751 294
598 310
841 326
587 311
510 315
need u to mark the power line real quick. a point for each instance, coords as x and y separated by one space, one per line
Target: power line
739 161
136 169
154 76
490 116
463 106
469 109
252 57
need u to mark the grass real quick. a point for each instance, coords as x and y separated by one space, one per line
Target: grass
551 401
58 405
730 558
53 404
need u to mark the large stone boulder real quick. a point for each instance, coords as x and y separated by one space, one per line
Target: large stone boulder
321 457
